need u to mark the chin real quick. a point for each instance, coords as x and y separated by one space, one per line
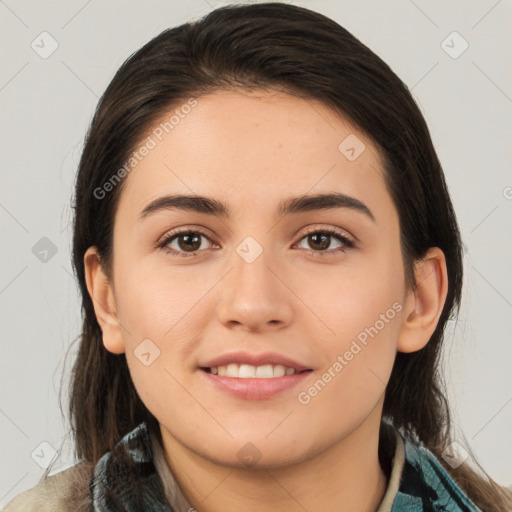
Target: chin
257 452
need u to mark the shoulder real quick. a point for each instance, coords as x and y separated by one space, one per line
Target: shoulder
65 491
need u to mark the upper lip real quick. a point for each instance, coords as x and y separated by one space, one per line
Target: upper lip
254 360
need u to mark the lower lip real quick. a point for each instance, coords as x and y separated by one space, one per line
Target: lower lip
255 389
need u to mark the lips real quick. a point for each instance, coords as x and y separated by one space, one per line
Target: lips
249 376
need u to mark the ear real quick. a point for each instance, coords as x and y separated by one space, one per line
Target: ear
424 304
103 300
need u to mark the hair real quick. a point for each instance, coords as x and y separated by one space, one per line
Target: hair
273 46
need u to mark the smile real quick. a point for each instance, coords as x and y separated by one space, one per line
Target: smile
253 382
248 371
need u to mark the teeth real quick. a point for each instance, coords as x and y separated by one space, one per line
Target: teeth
247 371
265 372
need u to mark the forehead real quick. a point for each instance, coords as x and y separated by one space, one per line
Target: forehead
253 149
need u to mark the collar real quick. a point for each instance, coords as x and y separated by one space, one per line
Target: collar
418 482
125 479
426 486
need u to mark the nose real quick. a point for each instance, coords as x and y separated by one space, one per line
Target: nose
255 295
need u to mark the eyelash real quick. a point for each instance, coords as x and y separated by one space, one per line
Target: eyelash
349 244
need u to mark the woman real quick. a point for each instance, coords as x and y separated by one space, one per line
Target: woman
268 256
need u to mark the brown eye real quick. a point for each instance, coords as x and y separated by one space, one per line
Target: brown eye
322 239
185 243
319 241
189 242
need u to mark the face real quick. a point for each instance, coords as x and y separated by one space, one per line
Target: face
316 289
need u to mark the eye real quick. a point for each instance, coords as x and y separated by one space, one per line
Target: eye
184 243
321 239
189 242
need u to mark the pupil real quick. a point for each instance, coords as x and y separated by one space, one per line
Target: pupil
325 240
196 243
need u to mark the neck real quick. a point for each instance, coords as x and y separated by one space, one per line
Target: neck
346 477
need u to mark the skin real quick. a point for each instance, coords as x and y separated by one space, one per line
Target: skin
251 150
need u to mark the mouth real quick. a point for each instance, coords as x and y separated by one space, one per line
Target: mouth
248 371
250 382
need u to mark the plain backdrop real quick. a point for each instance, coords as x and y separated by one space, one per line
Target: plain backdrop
462 82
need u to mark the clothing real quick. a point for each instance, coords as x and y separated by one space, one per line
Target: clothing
417 483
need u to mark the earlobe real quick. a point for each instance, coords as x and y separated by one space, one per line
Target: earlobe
101 293
424 304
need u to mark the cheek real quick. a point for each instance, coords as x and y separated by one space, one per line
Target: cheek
356 372
363 348
358 295
363 311
157 301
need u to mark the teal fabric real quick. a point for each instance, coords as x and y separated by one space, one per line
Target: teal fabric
425 486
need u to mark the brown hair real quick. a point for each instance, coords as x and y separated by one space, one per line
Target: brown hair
299 51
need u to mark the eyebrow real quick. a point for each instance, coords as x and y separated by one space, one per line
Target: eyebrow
299 204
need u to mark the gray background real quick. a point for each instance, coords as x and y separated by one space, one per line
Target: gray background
47 103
